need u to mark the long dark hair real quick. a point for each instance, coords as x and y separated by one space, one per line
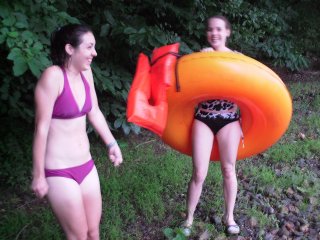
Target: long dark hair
68 34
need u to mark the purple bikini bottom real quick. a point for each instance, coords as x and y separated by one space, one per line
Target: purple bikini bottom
77 173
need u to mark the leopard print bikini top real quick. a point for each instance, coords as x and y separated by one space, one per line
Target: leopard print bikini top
218 109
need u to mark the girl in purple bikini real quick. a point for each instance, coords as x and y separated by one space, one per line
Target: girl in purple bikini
63 168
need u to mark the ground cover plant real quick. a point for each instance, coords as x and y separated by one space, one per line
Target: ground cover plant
278 195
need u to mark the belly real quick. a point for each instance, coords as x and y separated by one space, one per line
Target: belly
67 144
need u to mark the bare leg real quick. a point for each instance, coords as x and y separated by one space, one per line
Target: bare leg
66 201
202 140
91 196
77 207
228 138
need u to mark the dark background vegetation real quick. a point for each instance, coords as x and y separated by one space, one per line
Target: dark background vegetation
279 33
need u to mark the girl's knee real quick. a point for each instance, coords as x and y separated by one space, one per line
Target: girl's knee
228 171
81 234
93 234
199 177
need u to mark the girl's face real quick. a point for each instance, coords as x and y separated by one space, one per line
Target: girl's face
217 33
82 56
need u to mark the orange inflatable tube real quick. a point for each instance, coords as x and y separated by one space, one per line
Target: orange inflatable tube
263 99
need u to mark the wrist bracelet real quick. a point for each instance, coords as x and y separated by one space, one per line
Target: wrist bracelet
109 145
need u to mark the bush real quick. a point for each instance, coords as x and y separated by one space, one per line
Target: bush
16 153
264 30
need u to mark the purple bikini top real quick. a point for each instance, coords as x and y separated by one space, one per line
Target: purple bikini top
65 106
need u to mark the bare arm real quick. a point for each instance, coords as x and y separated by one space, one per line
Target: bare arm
46 93
100 124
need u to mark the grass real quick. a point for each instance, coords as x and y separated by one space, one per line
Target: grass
141 190
263 220
147 194
21 224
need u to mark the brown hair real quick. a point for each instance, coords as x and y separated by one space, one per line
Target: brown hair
223 18
68 34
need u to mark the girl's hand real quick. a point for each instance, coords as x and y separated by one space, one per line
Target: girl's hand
209 49
40 186
115 155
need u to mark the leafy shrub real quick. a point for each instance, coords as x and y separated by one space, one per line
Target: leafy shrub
24 38
263 29
16 153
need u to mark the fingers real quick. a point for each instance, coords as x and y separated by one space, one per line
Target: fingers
115 156
118 160
40 194
40 191
40 187
117 163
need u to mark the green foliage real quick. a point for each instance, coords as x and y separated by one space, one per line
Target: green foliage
15 149
263 219
139 188
25 27
158 176
174 234
21 224
261 30
11 224
125 28
305 21
24 31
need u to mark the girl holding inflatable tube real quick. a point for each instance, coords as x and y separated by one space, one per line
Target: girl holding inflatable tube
215 119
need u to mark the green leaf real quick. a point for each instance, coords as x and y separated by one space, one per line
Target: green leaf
63 15
9 21
11 43
168 232
2 39
19 66
15 53
152 41
129 30
135 128
107 85
109 17
37 47
4 12
125 128
13 34
180 237
142 30
116 82
105 30
44 61
27 35
22 21
21 25
4 31
34 67
118 122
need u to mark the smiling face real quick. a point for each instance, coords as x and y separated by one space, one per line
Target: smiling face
217 33
81 56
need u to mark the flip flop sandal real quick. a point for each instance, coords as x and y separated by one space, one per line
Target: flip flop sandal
186 229
232 229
